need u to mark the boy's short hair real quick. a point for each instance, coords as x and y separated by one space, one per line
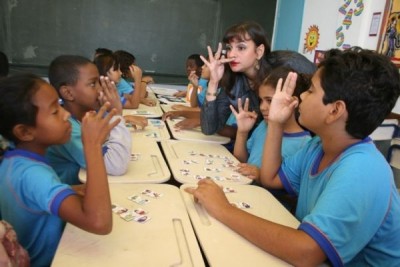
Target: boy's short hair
64 70
105 62
197 59
102 51
367 82
291 59
125 60
16 106
303 81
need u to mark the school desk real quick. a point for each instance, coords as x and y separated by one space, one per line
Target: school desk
145 111
155 130
224 247
194 134
167 239
192 161
147 165
165 89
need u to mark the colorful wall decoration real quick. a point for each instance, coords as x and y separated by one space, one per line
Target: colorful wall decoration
349 10
390 32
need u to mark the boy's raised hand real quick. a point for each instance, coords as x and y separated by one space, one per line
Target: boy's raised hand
136 74
193 78
245 119
110 94
97 126
283 103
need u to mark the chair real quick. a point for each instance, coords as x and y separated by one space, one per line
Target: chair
383 135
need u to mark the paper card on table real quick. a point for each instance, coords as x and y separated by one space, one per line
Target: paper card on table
151 193
138 199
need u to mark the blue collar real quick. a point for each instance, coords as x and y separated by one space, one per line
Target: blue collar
26 154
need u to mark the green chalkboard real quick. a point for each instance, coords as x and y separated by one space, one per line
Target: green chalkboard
160 33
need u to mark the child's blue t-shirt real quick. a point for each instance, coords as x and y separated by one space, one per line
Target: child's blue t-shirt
291 143
30 198
202 95
351 208
124 87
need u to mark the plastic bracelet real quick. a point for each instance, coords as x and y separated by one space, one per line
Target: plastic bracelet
212 94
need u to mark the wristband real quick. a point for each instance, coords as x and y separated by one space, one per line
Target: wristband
211 94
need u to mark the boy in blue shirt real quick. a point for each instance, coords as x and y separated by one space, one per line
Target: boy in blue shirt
348 205
32 197
78 84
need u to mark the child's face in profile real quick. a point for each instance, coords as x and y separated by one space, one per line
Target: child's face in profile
87 88
312 109
265 93
52 125
114 75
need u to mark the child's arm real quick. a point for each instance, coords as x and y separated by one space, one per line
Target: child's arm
282 107
93 212
194 80
136 121
245 121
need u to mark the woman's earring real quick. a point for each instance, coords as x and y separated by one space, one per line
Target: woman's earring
257 66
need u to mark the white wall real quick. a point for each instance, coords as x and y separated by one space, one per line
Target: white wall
325 14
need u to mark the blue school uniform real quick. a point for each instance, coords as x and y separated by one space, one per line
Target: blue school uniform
351 208
124 87
67 159
203 83
291 143
30 198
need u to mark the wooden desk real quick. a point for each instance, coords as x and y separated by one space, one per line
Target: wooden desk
192 161
145 111
147 166
167 239
195 134
224 247
156 130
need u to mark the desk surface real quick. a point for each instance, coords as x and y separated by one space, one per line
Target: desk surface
195 134
224 247
165 89
192 161
145 111
156 130
167 239
147 165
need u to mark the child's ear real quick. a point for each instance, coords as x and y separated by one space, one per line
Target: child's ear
66 93
23 132
338 110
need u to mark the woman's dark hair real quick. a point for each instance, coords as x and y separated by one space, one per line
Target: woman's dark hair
16 93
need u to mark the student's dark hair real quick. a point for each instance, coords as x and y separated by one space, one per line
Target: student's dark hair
258 36
103 51
4 65
291 59
197 59
125 59
367 82
64 70
303 81
105 62
16 106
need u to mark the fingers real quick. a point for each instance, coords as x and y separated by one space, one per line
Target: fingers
233 110
290 83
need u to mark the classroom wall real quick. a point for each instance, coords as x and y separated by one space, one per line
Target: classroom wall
160 33
336 28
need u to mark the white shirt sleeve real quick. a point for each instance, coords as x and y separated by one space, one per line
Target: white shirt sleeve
117 149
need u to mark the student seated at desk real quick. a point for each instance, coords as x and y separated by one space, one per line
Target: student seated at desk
348 204
81 89
249 151
193 67
101 51
132 72
32 197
